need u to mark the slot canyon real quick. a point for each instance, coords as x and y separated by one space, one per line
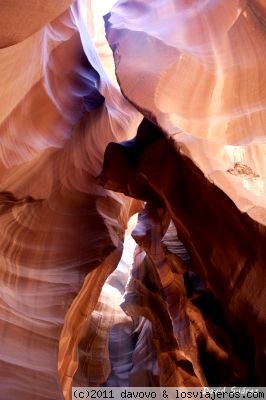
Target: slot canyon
132 195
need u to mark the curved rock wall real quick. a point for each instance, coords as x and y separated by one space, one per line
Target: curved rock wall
73 172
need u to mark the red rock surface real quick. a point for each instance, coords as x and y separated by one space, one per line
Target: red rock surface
188 307
226 246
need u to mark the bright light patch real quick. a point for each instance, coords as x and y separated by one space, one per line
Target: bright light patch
99 8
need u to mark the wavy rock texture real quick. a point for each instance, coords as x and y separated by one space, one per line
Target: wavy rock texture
200 75
226 246
57 225
182 338
72 311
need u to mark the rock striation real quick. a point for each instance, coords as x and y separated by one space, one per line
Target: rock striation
132 212
230 261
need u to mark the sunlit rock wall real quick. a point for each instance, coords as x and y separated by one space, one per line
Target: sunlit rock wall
196 69
58 227
72 312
